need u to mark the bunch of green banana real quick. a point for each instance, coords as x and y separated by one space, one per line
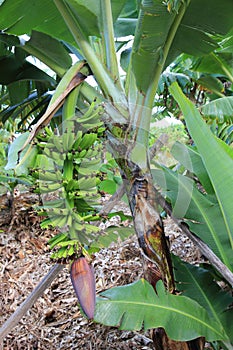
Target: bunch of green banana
92 118
75 151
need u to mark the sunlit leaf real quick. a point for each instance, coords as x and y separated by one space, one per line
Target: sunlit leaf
136 306
216 160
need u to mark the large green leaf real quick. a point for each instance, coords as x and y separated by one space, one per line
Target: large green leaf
18 91
137 306
197 283
202 212
216 63
49 50
21 17
12 69
27 157
221 109
218 162
191 159
31 105
161 36
212 84
126 23
153 28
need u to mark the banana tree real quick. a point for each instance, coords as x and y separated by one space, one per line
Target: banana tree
162 30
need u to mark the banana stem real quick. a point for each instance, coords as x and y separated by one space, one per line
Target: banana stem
109 42
104 78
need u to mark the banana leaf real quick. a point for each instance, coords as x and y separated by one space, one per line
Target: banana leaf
12 69
212 84
190 158
216 63
22 17
162 35
136 306
221 109
27 158
202 212
198 284
217 161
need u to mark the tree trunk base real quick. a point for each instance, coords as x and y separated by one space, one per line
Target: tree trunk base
162 342
158 335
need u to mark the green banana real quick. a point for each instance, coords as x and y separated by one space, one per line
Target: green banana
93 127
68 139
92 115
82 154
71 140
45 223
71 250
88 140
58 211
89 112
72 185
77 226
61 253
85 171
91 228
57 156
91 217
48 131
93 152
45 175
57 140
47 152
70 221
87 183
68 170
67 243
58 221
78 139
65 138
50 187
77 217
90 163
45 145
57 239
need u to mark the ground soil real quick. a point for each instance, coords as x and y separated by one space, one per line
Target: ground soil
55 322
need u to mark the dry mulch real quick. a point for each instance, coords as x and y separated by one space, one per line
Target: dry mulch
55 322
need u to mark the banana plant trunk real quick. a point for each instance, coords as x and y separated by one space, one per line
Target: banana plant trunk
149 228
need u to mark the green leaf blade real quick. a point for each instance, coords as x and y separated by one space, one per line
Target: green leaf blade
214 157
221 109
198 284
201 211
136 305
192 161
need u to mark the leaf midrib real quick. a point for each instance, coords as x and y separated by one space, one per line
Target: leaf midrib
167 308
